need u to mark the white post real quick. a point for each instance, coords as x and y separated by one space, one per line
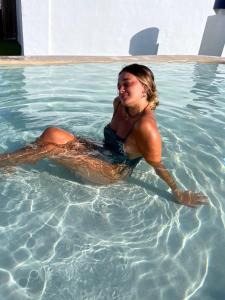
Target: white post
35 26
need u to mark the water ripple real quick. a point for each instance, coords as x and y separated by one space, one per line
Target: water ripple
62 238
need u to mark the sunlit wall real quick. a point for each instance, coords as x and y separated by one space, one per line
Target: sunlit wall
115 27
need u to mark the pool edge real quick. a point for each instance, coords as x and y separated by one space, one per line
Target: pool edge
47 60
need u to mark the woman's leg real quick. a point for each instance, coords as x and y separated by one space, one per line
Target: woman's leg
51 141
57 136
65 149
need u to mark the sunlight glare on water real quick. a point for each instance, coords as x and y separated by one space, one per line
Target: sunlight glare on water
62 238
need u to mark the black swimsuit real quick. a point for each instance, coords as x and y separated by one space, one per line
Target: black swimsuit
112 149
115 145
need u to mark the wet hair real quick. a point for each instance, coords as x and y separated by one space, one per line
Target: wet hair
146 77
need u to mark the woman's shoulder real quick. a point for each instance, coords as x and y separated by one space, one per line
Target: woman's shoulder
147 124
148 119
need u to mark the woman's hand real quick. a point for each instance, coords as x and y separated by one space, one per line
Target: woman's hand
189 198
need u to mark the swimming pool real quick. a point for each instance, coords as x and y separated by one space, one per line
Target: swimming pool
64 239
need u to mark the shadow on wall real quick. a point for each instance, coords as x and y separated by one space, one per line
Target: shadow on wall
145 42
213 39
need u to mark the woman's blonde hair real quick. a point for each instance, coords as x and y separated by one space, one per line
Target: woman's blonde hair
146 77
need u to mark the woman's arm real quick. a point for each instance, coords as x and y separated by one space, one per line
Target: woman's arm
149 144
183 197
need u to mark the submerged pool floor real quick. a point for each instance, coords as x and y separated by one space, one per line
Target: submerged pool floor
62 238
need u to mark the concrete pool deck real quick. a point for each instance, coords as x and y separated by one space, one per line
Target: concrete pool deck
57 60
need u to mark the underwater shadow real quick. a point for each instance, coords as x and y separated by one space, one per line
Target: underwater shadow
145 42
61 172
213 39
162 193
51 168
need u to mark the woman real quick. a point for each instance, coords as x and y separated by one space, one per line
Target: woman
131 135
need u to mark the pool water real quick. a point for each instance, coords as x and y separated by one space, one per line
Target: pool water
61 238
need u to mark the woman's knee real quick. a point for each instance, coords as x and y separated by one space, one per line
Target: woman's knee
56 136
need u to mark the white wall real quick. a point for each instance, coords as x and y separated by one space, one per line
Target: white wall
114 27
35 26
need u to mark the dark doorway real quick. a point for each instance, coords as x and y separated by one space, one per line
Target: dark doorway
8 28
8 19
1 24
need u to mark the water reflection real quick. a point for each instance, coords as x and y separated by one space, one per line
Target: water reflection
13 97
205 89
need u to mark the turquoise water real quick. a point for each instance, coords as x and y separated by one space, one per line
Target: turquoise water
61 238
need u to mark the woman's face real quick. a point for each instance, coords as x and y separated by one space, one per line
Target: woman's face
130 89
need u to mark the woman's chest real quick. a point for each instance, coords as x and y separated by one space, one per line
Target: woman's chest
122 125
